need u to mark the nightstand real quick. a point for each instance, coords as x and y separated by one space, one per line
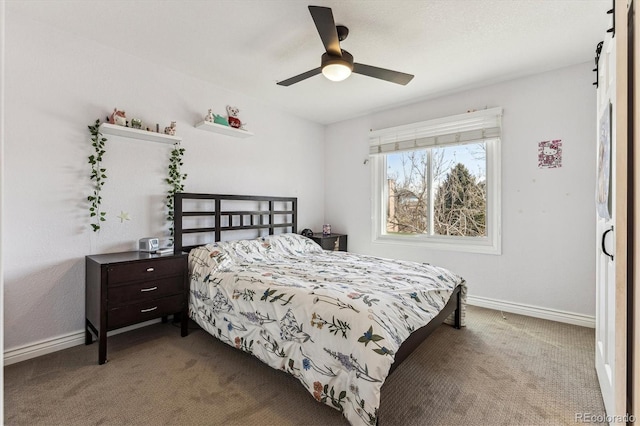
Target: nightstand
131 287
336 242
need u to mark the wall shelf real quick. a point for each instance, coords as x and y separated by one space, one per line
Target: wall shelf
128 132
223 130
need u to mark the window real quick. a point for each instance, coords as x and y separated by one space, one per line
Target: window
437 183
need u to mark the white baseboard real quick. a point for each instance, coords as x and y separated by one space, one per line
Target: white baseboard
533 311
47 346
43 347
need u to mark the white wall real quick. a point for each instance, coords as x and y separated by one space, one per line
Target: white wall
56 85
548 215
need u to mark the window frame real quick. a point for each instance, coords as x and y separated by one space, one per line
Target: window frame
489 244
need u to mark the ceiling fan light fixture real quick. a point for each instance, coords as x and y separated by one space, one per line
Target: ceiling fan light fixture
337 68
336 72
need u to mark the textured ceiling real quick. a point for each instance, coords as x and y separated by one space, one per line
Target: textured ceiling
249 45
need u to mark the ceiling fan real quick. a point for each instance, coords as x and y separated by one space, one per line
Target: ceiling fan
337 64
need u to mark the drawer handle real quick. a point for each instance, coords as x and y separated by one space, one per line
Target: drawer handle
149 269
142 311
148 289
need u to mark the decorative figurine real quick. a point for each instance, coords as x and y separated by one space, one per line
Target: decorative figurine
136 123
209 117
171 130
118 117
234 121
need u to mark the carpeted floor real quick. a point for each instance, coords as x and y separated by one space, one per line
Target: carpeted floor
513 371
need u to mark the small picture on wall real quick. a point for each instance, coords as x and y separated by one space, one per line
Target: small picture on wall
550 154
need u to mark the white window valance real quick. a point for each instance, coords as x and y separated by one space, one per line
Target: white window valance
458 129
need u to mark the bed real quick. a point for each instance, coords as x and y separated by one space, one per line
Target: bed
339 322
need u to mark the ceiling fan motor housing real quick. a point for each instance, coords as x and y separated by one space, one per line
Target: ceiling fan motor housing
346 60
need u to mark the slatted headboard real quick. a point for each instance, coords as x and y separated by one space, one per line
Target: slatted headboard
204 217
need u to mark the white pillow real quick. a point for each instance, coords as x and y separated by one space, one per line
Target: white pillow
291 244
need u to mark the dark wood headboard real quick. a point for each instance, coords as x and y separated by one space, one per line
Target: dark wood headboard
213 214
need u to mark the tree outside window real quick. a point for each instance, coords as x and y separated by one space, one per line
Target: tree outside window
438 191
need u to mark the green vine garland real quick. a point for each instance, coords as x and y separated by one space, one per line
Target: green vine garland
174 180
98 176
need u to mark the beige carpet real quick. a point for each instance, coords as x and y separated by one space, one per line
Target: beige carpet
518 371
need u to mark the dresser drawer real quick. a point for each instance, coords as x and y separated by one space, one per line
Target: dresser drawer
329 243
144 290
144 270
144 311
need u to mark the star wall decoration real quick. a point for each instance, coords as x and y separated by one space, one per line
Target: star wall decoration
123 216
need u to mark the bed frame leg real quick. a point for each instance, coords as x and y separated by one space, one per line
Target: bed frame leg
458 311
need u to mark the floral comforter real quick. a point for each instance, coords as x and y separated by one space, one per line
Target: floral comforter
334 320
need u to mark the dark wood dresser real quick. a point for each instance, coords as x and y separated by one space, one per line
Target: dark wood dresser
334 242
131 287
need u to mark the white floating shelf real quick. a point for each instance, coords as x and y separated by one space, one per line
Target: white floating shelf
223 130
129 132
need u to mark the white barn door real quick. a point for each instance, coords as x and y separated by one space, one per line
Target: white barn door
611 220
605 226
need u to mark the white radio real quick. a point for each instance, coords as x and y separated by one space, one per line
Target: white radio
150 244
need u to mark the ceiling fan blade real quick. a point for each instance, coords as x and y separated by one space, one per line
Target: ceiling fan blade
323 18
300 77
383 74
